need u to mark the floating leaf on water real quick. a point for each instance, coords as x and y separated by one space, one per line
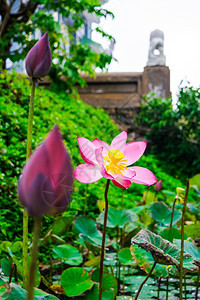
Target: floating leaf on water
109 281
76 281
93 294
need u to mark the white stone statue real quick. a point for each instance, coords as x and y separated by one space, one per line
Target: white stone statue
156 56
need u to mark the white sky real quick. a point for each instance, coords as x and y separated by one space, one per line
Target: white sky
133 23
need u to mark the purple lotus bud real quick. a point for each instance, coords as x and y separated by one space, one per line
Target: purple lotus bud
47 178
38 60
158 186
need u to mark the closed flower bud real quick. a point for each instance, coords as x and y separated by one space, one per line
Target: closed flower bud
158 186
47 178
38 60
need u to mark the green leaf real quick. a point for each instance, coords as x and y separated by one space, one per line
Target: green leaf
6 266
189 248
148 197
192 231
170 234
109 281
76 281
195 182
68 254
117 217
162 213
87 230
16 292
94 294
162 250
61 224
145 261
125 257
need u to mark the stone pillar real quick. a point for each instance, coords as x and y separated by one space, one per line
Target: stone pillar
156 79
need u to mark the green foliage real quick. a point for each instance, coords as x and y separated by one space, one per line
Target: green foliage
76 281
68 254
70 57
117 218
174 133
162 213
74 118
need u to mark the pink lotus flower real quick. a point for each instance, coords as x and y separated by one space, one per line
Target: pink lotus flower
46 182
38 59
112 162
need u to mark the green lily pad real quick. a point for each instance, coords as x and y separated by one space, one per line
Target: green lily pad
76 281
117 217
15 291
94 294
87 230
109 281
68 254
162 250
162 213
125 257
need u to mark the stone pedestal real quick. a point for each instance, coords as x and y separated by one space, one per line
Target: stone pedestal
156 79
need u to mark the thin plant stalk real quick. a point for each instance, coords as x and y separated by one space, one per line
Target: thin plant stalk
123 278
103 239
158 292
25 214
197 286
167 290
140 288
185 285
119 275
173 207
182 240
85 204
34 256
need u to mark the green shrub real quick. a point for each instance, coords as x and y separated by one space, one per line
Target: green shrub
75 118
174 133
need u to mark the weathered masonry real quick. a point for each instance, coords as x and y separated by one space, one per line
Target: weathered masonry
125 90
121 93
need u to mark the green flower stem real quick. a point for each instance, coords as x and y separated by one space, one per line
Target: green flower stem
138 292
167 289
173 207
25 215
159 283
182 240
34 256
197 286
86 194
103 239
